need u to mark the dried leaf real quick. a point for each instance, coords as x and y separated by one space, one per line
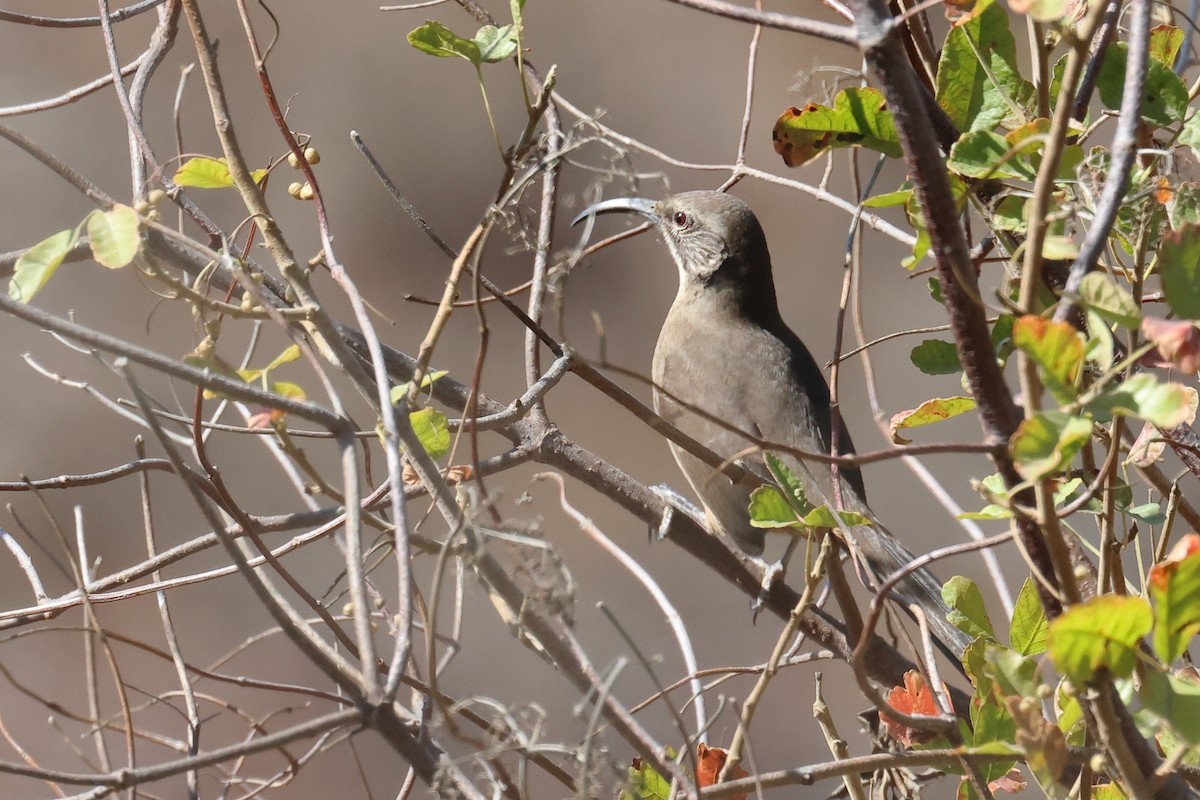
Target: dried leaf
710 762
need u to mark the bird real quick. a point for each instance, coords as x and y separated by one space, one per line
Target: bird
730 373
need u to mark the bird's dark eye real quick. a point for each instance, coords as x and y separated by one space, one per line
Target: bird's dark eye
680 218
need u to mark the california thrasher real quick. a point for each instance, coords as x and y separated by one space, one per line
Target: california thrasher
725 351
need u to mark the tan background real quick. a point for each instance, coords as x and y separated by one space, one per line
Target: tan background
672 78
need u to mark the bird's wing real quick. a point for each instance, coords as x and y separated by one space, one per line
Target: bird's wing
804 423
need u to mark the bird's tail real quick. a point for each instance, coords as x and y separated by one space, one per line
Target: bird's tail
884 556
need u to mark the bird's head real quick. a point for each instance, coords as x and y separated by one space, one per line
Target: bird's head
714 238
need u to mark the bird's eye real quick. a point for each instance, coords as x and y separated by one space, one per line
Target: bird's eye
680 218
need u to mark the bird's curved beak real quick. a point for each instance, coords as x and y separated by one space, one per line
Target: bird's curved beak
638 205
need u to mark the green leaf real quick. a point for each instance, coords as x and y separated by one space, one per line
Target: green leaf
824 517
1028 631
1166 97
436 39
1175 700
1142 396
113 235
496 44
936 357
789 484
645 783
929 412
1014 673
397 393
431 428
1185 205
890 199
1165 41
1149 513
770 509
1009 214
1189 135
964 89
1002 336
1175 589
1100 348
37 265
916 218
1047 442
967 610
1056 348
1179 264
1101 294
1102 633
984 154
859 118
992 728
203 172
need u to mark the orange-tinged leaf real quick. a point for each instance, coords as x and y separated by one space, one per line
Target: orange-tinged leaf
709 763
1175 587
929 412
914 697
1056 347
858 118
1186 547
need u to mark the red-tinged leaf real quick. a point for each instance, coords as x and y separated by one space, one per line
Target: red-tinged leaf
914 697
710 762
1011 783
1175 587
1176 341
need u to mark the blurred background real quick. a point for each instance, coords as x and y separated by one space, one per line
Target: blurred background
669 77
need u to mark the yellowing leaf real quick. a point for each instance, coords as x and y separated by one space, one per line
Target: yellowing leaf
1165 41
929 412
114 236
432 429
859 118
203 172
38 264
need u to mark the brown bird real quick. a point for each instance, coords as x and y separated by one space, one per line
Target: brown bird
725 350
